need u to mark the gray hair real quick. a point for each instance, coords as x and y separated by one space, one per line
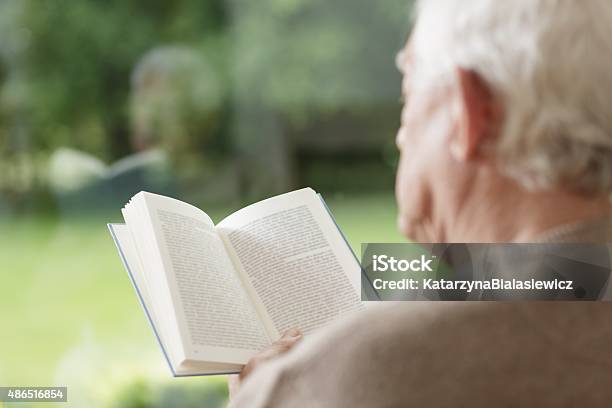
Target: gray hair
550 63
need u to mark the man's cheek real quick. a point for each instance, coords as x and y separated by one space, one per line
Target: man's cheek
407 204
402 205
404 181
410 189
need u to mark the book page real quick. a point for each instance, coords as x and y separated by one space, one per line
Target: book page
297 265
131 261
214 312
153 278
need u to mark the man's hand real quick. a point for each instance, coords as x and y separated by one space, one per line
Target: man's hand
279 347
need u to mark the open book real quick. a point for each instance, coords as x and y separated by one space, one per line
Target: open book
217 294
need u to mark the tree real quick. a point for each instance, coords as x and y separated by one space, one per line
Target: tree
79 58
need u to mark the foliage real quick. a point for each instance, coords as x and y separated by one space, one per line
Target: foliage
319 55
143 394
78 57
283 71
75 58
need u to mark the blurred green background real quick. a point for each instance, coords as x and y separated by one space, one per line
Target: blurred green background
219 103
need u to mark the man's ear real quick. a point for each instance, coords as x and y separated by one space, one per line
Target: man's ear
478 115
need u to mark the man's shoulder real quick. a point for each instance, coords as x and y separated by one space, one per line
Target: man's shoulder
444 354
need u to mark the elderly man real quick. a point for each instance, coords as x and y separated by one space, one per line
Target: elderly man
506 136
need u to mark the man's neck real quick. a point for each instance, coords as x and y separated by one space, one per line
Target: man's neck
516 215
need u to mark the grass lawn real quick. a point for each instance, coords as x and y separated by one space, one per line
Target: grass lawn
70 317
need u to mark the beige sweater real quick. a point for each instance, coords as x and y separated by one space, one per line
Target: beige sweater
452 354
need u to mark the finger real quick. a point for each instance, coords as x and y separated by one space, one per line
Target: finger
280 346
285 342
252 364
233 383
275 349
292 333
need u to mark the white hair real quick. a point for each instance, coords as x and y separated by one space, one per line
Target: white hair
550 63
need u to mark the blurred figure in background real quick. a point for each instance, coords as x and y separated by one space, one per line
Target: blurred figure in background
175 113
